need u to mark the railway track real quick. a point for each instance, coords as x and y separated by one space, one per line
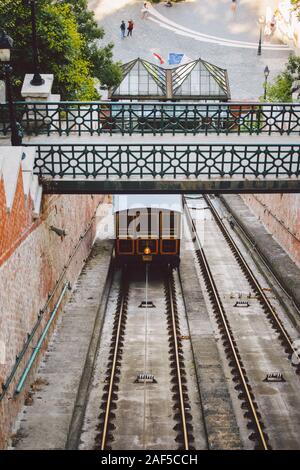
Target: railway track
180 397
113 368
238 371
182 427
271 314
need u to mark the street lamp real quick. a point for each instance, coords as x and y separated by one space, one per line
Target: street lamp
266 73
37 79
6 44
261 21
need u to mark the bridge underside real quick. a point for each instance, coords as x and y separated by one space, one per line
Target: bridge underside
168 167
94 186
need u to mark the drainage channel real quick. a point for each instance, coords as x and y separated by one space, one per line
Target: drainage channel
144 380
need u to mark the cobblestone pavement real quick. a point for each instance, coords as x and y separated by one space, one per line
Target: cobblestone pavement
207 17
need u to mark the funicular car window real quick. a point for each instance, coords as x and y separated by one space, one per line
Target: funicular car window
170 224
139 224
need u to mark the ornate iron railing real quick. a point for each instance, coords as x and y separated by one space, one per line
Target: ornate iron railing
96 118
150 161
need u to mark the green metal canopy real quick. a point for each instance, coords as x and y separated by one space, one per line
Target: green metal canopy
195 80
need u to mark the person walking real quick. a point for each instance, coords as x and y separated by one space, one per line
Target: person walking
123 28
130 28
144 11
233 5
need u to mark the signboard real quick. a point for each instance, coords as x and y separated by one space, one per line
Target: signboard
174 58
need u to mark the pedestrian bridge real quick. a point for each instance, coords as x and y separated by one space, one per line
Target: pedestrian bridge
169 165
106 147
152 118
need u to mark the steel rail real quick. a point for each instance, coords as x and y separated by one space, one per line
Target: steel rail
262 258
252 277
181 397
229 335
113 370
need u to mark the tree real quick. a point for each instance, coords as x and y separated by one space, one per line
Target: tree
101 59
296 4
281 89
67 35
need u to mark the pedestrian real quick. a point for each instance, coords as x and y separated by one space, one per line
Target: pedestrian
144 11
130 28
233 5
231 223
123 28
273 23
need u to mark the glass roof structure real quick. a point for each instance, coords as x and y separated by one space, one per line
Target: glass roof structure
195 80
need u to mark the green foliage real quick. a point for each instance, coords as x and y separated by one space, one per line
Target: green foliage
110 74
281 89
87 25
296 4
67 33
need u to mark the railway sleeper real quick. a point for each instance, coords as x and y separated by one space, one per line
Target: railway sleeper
189 427
180 438
101 418
113 405
174 380
185 396
174 371
115 388
114 396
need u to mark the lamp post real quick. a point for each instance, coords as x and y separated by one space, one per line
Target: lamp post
37 79
6 44
266 73
261 21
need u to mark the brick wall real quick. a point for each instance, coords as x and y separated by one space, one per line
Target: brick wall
13 224
32 259
280 214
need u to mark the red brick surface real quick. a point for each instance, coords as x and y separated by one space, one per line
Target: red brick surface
13 224
32 258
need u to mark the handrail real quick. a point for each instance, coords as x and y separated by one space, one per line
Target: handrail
163 103
155 160
152 117
37 348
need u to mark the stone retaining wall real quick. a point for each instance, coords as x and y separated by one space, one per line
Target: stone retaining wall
33 258
280 214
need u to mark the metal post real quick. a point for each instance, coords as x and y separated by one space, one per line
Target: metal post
37 79
16 134
266 73
260 40
265 85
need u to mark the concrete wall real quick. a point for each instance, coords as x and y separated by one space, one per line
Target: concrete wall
32 259
280 214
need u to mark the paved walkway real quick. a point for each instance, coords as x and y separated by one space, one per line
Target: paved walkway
178 28
191 23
